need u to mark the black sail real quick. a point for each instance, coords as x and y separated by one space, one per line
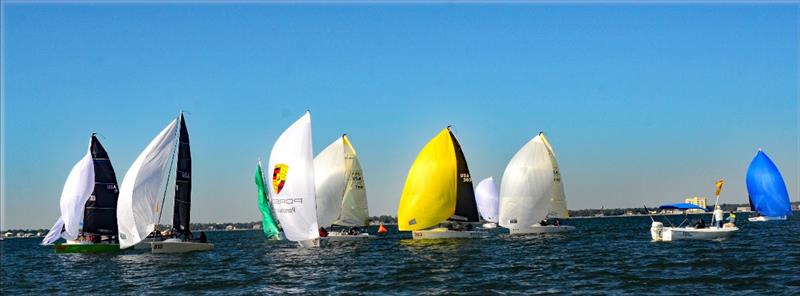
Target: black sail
183 185
100 212
466 209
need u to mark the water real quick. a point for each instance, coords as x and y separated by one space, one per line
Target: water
603 256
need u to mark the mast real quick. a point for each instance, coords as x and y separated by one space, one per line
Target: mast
183 184
466 209
100 212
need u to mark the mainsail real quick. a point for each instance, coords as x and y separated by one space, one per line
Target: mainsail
558 200
355 211
527 183
77 189
487 199
140 194
766 188
268 223
438 186
100 213
341 194
183 185
292 190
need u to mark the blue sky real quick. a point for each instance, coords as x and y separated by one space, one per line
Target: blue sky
644 104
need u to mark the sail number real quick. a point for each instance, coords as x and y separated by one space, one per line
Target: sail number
465 177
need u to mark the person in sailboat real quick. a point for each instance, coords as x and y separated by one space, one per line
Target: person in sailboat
543 222
718 217
558 222
203 238
323 232
731 219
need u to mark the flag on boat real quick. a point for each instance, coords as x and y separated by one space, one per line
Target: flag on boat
719 186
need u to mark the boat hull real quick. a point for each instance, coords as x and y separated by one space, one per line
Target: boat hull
168 246
666 234
320 242
336 237
766 218
443 233
489 225
86 248
541 229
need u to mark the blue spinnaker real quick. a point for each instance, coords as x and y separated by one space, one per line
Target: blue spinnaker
766 188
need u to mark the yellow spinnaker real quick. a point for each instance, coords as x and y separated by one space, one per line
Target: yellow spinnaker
429 196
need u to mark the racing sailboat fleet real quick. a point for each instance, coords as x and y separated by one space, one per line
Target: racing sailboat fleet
314 200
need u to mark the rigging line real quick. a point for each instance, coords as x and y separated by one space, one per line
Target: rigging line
169 173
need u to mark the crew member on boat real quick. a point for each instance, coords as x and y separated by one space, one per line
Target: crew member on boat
718 217
731 219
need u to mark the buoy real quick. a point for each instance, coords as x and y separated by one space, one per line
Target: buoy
382 229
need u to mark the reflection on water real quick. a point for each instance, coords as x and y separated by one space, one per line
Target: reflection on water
607 255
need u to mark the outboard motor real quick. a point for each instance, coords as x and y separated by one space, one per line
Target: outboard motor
655 230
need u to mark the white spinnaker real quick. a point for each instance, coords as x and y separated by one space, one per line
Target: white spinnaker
526 187
355 211
295 203
140 194
54 233
329 179
77 189
487 199
558 200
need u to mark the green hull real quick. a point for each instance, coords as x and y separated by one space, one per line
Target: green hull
86 248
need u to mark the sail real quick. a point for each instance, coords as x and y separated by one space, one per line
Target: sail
487 199
55 232
526 187
330 182
268 223
466 209
558 200
183 185
766 188
77 189
430 194
100 213
292 190
140 194
355 211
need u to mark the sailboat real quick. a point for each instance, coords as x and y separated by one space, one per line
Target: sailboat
139 207
268 224
341 193
526 191
292 190
488 202
766 190
90 193
558 200
438 190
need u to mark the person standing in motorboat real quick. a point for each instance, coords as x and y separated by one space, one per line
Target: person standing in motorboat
718 217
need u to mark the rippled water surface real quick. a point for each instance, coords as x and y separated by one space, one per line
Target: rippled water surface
603 256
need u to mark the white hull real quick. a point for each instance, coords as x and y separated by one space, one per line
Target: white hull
444 233
314 243
666 234
336 237
146 243
489 225
766 218
541 229
177 246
